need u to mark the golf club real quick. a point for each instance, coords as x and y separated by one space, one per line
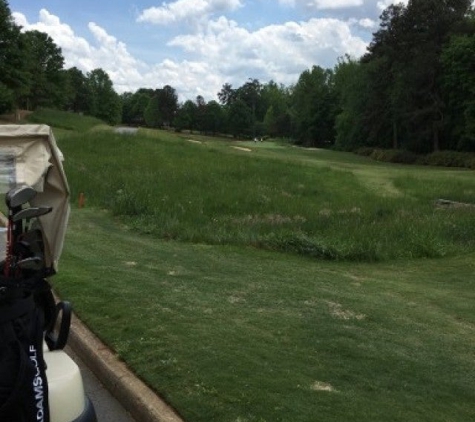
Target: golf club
19 196
34 263
27 213
14 199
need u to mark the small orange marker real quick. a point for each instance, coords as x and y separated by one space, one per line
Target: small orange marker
81 200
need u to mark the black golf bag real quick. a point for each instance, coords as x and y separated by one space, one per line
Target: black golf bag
27 310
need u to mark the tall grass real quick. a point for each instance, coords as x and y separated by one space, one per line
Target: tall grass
64 120
175 189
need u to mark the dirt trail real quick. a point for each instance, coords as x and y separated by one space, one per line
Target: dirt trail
10 118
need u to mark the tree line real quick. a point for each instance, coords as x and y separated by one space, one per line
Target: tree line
414 89
32 75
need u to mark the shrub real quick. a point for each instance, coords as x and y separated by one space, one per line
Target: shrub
471 163
439 158
393 156
365 151
450 159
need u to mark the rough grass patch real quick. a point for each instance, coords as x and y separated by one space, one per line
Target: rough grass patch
283 199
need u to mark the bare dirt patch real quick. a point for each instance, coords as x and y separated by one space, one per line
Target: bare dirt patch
325 212
337 311
242 149
272 219
447 204
130 263
236 299
323 386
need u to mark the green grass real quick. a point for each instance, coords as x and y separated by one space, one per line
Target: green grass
237 334
318 203
64 121
168 265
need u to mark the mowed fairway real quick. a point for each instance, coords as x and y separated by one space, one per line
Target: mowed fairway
276 284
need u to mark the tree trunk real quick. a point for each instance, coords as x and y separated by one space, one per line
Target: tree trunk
395 140
435 129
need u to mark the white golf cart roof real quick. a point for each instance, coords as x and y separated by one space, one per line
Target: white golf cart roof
29 156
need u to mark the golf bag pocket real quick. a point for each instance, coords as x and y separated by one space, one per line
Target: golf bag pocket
23 383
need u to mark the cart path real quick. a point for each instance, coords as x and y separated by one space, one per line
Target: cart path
108 409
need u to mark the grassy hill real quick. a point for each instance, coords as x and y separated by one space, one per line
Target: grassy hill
317 203
260 282
64 121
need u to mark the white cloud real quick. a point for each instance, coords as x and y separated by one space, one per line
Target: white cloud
189 78
334 4
61 33
383 4
19 19
75 49
322 4
368 23
290 3
220 51
108 53
127 73
187 10
279 52
345 9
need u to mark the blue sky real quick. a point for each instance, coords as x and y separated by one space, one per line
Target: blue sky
198 45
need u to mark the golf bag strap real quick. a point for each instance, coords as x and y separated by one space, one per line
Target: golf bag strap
57 342
17 309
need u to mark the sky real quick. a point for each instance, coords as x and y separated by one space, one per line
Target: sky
196 46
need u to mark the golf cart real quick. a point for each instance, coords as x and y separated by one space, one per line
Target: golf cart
36 209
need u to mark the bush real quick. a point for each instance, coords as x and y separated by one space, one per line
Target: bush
471 163
393 156
450 159
439 158
365 151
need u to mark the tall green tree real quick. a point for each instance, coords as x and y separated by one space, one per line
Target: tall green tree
314 107
162 107
168 99
213 118
406 50
104 103
14 77
386 94
200 113
227 94
153 117
251 94
134 106
126 99
277 119
45 61
458 84
240 119
186 117
77 90
351 82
